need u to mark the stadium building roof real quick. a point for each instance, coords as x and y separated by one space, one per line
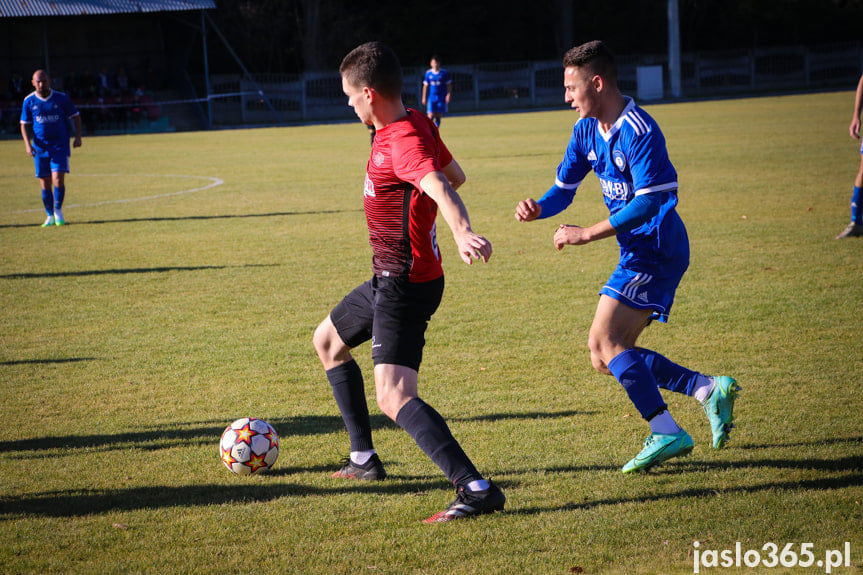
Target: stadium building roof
27 8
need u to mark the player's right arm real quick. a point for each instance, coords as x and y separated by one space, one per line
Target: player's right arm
854 128
554 201
25 133
570 173
26 126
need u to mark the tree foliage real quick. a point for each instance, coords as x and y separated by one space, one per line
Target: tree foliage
301 35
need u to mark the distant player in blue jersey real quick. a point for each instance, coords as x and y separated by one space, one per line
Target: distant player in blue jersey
855 228
437 89
624 146
45 117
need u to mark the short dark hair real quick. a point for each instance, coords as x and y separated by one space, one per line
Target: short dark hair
374 65
595 57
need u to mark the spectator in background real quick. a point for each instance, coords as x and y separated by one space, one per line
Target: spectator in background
122 81
17 87
106 82
855 228
45 117
437 89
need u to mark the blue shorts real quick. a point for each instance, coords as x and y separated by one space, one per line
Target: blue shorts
640 290
47 164
436 107
393 313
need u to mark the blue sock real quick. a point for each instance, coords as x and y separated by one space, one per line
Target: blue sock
633 374
59 196
349 391
431 433
855 206
48 202
669 375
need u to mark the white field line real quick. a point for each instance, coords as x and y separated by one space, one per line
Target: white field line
213 183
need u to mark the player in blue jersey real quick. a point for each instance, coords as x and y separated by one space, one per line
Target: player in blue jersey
624 146
855 228
437 89
45 116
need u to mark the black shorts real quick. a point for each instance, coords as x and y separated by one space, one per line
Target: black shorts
393 313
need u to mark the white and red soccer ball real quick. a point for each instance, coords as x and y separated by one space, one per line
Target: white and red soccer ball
249 445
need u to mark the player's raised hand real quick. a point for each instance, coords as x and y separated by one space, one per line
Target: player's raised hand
527 210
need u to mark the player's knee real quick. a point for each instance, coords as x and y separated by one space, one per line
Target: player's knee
327 342
598 353
389 403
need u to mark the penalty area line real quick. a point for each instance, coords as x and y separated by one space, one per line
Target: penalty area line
213 183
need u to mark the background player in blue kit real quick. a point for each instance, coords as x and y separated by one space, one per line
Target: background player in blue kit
855 228
437 89
45 116
624 146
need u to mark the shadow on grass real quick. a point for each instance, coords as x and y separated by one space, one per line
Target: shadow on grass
813 443
123 271
526 415
185 218
78 503
208 432
827 483
46 361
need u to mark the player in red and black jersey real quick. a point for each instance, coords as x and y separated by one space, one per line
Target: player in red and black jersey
411 175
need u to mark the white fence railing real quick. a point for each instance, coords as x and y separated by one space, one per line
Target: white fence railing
275 98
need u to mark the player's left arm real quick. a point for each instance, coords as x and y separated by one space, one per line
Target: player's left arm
571 235
76 121
73 114
470 245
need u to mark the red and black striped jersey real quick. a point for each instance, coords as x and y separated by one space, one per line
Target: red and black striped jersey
400 216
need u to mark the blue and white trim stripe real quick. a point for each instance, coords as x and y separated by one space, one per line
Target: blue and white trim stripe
631 288
669 187
634 119
563 186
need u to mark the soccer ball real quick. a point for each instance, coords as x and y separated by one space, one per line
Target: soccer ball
249 445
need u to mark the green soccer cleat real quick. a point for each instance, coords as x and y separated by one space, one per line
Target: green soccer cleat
49 222
719 406
659 447
58 218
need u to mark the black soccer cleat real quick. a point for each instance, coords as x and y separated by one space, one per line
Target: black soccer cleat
470 504
372 470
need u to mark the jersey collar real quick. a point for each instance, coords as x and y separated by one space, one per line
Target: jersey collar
51 93
630 104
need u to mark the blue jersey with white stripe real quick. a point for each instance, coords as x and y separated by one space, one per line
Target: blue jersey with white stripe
631 159
437 83
50 119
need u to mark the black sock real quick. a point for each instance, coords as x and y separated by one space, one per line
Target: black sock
349 391
431 433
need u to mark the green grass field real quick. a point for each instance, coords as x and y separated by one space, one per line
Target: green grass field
186 288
